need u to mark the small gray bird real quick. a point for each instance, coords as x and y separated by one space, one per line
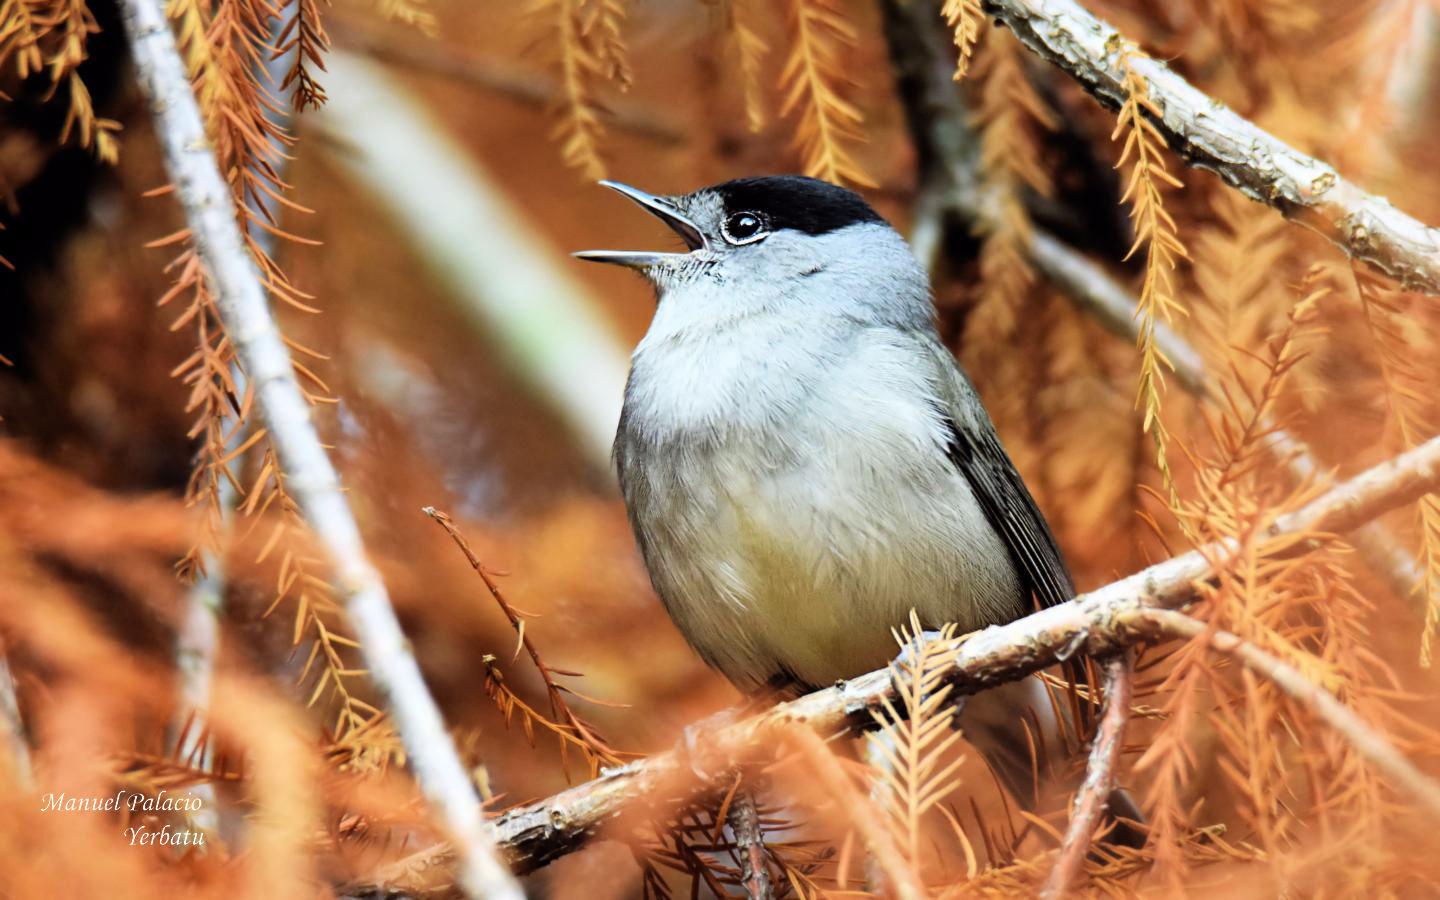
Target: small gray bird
804 462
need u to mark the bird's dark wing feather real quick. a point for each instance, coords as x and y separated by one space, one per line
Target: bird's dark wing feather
1008 506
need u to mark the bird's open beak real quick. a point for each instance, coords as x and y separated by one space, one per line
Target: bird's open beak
662 210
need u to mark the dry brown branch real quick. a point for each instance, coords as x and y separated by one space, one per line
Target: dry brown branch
744 821
1101 622
1099 781
597 751
916 770
1205 133
749 49
579 64
964 18
1316 699
232 272
1405 381
53 36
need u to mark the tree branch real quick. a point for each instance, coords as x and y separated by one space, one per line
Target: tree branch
210 212
1101 622
1206 134
1094 792
744 819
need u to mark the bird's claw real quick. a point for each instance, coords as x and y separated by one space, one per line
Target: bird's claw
910 653
693 748
905 663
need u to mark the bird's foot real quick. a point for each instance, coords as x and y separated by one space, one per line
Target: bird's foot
694 747
913 649
912 655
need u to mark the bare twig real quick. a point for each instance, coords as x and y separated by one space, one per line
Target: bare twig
1320 702
953 183
1099 623
210 213
744 821
559 709
1094 792
1205 133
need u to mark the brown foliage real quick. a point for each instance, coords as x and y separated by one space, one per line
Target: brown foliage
1245 790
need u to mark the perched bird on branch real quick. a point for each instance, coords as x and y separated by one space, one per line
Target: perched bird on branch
804 462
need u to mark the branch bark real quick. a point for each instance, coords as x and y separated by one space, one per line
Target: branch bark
1094 792
1101 622
210 212
744 819
1206 134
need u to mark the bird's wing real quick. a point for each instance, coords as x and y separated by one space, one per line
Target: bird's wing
974 448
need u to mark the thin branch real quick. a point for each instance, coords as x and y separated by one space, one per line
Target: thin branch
210 212
594 745
1206 134
744 821
1102 622
1094 792
1320 702
952 182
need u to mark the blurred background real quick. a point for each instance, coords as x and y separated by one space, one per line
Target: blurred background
469 364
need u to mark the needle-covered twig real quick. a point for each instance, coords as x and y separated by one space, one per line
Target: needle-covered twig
1094 792
233 275
595 747
1320 702
901 879
1206 134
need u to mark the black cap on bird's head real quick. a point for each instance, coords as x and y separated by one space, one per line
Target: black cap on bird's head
739 213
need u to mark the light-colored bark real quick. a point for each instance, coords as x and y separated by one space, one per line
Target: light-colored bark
1207 134
310 476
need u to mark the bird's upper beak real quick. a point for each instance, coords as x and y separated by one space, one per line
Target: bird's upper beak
662 210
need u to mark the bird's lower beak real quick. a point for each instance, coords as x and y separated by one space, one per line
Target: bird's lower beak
662 210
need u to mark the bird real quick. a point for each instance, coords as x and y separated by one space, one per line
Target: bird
803 462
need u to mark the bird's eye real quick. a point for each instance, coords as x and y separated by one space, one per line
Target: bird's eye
741 228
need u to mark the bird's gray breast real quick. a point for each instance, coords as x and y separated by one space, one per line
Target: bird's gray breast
793 507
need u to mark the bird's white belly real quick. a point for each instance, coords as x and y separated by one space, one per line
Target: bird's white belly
803 573
790 520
